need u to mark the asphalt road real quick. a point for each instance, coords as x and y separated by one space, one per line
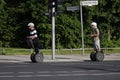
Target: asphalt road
86 70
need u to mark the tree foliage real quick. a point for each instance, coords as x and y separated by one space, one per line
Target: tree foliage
16 14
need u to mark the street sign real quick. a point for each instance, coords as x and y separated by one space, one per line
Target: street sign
72 8
47 14
89 3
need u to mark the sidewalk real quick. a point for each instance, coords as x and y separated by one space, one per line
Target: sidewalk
58 58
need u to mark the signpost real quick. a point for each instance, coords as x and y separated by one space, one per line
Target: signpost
85 3
81 19
73 8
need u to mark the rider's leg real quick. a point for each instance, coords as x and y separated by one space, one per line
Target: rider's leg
30 43
97 46
37 50
36 46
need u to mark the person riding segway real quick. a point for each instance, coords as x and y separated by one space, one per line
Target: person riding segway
33 42
97 55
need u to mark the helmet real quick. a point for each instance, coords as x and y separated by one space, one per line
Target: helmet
31 24
94 24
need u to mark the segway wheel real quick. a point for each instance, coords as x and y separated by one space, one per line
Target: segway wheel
32 57
99 56
39 57
92 56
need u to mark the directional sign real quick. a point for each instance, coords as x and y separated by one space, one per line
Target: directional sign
72 8
89 3
46 14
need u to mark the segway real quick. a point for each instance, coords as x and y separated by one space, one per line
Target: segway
37 57
97 56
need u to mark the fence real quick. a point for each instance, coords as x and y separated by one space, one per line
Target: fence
88 50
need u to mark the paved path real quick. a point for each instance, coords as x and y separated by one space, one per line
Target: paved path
58 58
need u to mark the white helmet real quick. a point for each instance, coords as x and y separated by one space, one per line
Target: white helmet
31 24
94 24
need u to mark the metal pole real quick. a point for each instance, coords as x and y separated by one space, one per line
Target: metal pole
53 31
82 27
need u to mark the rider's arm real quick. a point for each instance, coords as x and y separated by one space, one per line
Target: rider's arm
95 34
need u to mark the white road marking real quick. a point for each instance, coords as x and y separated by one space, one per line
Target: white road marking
6 72
56 73
62 72
17 66
77 71
25 72
44 72
25 76
44 75
5 76
62 75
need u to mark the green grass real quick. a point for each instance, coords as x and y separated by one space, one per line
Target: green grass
111 51
20 51
15 51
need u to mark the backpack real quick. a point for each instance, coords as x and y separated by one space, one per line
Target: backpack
100 35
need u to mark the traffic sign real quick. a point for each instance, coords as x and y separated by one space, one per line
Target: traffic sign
72 8
89 3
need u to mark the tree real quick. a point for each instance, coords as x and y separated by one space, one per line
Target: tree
2 22
16 14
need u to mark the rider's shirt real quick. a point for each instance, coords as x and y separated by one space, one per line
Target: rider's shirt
96 31
33 33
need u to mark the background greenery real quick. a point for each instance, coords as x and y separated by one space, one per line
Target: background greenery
16 14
